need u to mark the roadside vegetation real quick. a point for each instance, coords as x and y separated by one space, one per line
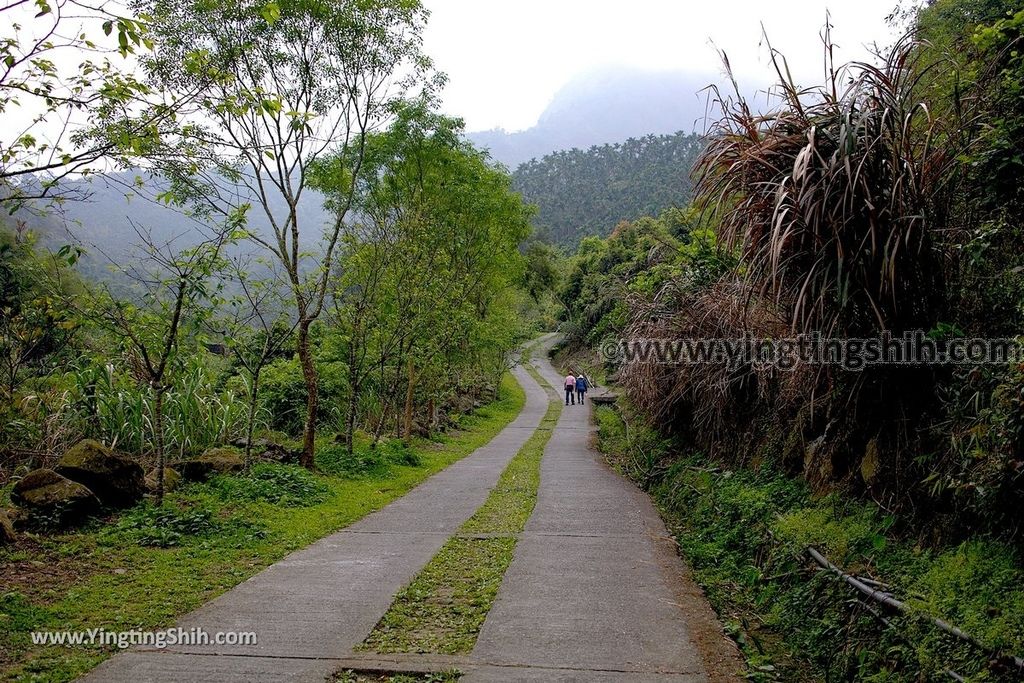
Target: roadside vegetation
143 567
745 534
883 200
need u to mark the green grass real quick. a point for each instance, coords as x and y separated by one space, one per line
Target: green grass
744 532
145 568
442 610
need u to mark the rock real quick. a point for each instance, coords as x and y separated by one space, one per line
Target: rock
49 497
19 518
7 535
116 480
172 478
462 403
275 452
268 450
213 461
420 429
870 464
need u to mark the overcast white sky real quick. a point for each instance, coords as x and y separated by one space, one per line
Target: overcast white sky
506 58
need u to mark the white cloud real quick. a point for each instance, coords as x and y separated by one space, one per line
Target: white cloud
506 59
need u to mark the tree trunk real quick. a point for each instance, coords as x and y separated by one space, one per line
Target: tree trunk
312 398
253 399
353 399
409 392
158 427
379 431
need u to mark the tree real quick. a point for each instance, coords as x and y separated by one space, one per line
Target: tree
63 104
33 323
176 287
283 84
449 227
256 331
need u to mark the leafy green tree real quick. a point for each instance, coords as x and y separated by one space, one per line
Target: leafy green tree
438 234
33 323
63 101
283 84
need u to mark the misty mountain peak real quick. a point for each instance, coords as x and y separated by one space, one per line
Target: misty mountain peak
605 105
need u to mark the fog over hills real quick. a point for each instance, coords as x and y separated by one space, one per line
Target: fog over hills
606 106
602 108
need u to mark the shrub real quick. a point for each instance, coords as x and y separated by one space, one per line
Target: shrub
165 526
287 485
171 526
364 460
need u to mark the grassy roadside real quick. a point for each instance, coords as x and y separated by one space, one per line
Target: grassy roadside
442 610
744 533
145 567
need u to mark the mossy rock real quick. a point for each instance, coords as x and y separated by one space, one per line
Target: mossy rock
172 479
871 463
117 480
7 534
213 461
52 499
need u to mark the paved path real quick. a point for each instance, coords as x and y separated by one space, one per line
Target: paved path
320 602
592 592
595 592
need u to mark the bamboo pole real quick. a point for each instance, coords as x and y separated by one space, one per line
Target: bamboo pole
889 601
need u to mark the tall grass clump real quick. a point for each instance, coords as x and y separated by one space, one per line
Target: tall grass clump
842 206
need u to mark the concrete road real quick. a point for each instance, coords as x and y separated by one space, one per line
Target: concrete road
596 591
320 602
592 593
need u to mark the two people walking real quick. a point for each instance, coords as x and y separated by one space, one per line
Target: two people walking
575 388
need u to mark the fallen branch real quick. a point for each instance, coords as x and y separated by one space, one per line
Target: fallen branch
889 601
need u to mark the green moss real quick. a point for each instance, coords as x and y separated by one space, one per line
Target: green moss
100 577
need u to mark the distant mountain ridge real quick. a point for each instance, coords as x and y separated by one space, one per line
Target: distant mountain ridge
602 107
581 193
640 165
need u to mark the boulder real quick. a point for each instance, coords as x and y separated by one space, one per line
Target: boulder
275 452
116 480
49 497
213 461
463 403
271 451
421 429
7 535
172 478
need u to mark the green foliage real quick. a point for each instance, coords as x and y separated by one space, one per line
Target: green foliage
636 262
744 534
283 395
56 91
587 192
363 461
285 485
164 527
198 413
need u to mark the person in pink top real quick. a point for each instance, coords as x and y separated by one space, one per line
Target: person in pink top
570 389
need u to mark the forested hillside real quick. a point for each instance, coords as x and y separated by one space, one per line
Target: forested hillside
587 192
